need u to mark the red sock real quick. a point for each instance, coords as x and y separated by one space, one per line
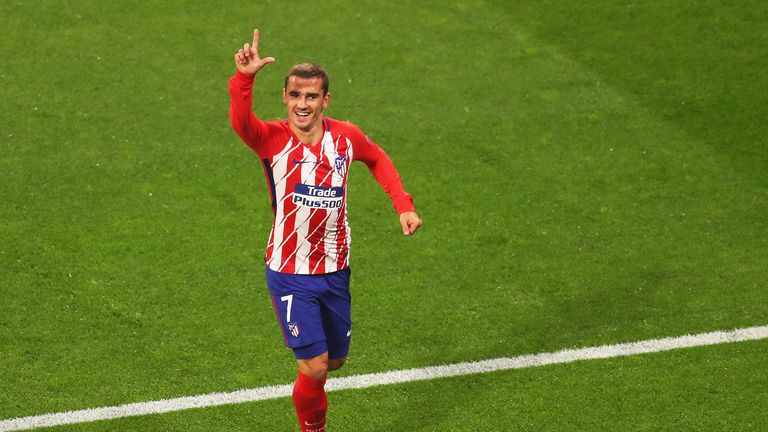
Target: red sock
310 402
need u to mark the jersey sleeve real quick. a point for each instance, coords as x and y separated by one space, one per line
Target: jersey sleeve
383 170
253 131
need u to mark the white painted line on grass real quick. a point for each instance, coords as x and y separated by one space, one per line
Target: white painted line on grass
384 378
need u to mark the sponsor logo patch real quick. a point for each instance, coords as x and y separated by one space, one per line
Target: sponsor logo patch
318 196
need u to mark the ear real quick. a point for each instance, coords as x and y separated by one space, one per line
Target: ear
284 101
326 100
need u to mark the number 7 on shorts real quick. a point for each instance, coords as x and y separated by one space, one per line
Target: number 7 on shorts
289 299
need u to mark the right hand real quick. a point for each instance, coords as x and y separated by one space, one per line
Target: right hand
247 59
410 222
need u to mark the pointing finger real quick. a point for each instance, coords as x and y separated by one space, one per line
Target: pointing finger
255 46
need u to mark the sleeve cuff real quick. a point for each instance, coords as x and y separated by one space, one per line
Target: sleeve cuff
404 204
244 77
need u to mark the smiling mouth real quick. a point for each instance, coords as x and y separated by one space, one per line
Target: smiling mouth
301 114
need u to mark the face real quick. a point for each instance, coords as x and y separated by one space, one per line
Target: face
305 100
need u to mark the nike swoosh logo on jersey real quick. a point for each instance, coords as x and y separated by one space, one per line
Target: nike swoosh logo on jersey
296 161
306 422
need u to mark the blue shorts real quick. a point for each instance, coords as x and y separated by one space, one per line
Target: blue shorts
314 312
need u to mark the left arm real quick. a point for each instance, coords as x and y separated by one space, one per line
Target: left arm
386 175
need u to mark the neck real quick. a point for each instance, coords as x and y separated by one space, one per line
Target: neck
311 136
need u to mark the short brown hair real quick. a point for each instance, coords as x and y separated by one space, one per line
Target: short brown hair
308 70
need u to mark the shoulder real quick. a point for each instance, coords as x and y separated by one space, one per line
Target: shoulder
281 124
347 130
277 128
276 134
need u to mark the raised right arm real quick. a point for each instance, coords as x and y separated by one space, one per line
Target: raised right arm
250 129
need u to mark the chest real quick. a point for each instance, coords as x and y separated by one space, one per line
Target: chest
323 164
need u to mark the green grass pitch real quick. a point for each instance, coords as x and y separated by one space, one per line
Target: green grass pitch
587 173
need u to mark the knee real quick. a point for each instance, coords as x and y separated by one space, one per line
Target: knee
334 364
316 368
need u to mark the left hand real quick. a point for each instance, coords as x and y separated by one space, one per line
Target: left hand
410 222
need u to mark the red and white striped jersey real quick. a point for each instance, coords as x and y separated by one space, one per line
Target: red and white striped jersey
308 185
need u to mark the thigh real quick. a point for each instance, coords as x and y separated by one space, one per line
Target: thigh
336 313
298 309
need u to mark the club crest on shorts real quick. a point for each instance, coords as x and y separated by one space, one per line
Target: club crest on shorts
293 328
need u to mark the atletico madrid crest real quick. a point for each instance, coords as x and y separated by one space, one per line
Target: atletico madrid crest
340 164
293 328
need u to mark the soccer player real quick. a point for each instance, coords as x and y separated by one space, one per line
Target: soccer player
306 160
